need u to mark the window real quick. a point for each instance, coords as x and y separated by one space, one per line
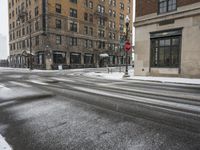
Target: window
110 12
73 26
121 17
114 3
91 31
101 45
86 30
112 59
91 18
58 39
36 11
121 6
101 22
88 58
101 9
85 16
58 24
74 1
165 51
37 40
166 6
87 43
36 26
75 58
110 2
90 4
59 57
114 13
73 41
40 58
58 8
101 33
73 13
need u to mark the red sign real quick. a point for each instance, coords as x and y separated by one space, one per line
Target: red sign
127 46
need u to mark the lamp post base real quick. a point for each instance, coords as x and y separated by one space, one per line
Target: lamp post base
126 75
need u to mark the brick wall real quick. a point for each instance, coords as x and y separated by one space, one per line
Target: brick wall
186 2
145 7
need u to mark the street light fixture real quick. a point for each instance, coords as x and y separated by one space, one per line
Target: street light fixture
21 17
127 21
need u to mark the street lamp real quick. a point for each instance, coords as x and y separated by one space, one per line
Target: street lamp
21 17
127 20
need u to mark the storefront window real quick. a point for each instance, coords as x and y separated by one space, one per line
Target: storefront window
59 57
75 58
88 59
165 52
40 58
112 59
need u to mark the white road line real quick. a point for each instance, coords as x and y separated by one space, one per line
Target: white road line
3 87
20 84
38 82
3 144
62 79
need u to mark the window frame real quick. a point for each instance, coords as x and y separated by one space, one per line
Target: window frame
167 7
171 46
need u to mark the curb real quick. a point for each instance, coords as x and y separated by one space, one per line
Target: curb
166 82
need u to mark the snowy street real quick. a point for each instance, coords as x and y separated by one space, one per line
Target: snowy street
90 109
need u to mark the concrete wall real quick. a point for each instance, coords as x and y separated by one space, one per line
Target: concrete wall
188 18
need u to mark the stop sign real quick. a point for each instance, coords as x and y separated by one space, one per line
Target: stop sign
127 46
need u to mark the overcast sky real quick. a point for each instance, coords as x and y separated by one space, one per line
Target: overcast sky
4 17
4 26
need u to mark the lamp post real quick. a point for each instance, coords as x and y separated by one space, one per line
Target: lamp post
127 20
21 17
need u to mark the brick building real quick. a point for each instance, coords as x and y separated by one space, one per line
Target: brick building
72 33
167 38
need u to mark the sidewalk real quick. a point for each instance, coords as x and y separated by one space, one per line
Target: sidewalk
119 76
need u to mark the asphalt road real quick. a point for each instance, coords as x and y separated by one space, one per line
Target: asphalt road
66 110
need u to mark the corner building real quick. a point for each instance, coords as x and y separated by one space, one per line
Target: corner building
167 38
71 33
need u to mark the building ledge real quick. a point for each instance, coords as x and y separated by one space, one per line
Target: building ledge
182 12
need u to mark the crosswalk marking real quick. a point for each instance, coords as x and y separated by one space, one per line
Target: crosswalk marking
38 82
20 84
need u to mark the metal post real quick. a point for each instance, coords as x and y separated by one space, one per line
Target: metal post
126 71
31 61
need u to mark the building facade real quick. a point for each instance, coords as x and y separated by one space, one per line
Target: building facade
3 47
71 33
167 38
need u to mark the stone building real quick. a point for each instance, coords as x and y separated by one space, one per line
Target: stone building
167 38
71 33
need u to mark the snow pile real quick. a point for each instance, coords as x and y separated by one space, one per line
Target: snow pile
3 144
114 76
168 79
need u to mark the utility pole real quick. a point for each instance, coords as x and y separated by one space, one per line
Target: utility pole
127 20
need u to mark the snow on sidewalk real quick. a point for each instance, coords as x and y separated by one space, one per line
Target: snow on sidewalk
3 144
169 79
119 76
